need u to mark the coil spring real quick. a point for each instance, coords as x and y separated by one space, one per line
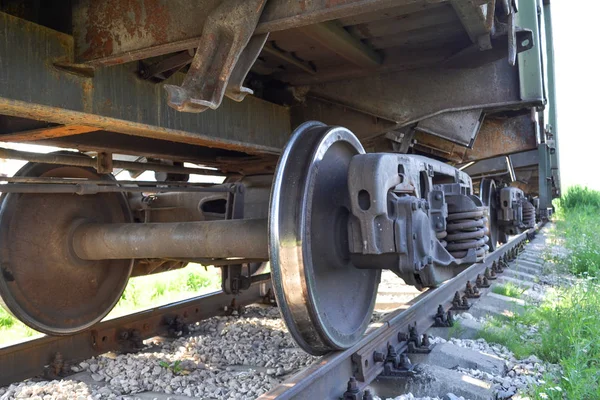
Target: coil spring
528 214
466 230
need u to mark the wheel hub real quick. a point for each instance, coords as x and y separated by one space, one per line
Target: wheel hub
43 283
326 302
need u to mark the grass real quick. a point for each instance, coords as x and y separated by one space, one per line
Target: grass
508 289
567 321
579 224
141 293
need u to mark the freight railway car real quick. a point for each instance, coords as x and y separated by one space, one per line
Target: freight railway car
349 136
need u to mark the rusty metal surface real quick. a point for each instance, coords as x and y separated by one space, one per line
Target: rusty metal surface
476 16
335 38
459 126
499 136
41 283
225 36
75 159
117 31
123 30
327 378
47 133
30 358
116 100
417 94
363 125
173 240
498 165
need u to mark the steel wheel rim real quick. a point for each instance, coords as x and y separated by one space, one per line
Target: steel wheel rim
38 311
320 315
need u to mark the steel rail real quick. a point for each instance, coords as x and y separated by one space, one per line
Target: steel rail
327 378
39 356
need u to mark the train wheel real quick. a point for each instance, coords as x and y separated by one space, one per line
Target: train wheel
42 282
326 302
488 194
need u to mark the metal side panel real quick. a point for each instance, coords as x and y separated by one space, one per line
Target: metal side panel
411 96
551 111
116 100
530 62
459 127
496 165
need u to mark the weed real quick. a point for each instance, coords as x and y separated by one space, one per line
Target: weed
577 197
6 320
508 289
175 366
567 321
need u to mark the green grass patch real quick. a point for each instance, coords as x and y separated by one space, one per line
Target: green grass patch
508 289
568 330
153 290
141 293
568 320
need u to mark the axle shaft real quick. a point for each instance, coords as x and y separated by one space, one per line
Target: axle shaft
243 238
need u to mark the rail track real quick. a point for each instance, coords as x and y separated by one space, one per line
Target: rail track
327 378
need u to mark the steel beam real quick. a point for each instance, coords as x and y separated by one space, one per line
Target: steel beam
116 100
243 238
75 159
118 31
418 94
477 18
335 38
497 165
47 133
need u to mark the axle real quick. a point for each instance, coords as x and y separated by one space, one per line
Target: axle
179 240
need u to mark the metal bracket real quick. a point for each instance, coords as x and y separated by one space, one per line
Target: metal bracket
104 163
460 303
233 278
482 282
225 53
471 291
130 341
397 364
443 319
490 275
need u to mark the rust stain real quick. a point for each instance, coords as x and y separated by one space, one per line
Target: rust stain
335 3
502 136
109 23
87 95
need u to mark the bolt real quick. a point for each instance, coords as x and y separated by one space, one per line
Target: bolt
367 395
352 385
439 225
438 196
378 356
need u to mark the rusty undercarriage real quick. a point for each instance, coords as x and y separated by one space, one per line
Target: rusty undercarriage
436 139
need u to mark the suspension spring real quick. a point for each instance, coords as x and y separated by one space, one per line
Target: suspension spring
467 230
528 214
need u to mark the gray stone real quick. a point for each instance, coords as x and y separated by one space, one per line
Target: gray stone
450 396
450 356
434 381
497 305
